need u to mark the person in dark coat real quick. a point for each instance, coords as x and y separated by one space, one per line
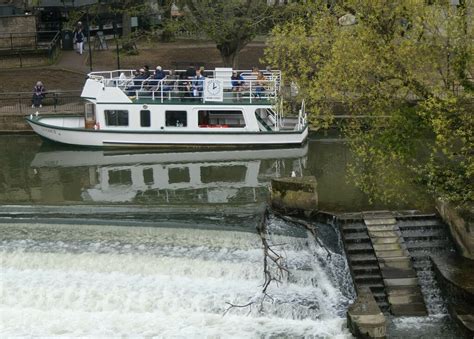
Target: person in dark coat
39 92
79 39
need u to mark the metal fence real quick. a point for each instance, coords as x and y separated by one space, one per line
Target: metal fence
67 102
21 49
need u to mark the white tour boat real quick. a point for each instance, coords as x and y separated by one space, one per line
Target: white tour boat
124 110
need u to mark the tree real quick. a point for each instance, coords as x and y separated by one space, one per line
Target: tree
406 66
232 24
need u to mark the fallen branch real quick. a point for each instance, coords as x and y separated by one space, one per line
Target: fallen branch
271 258
306 225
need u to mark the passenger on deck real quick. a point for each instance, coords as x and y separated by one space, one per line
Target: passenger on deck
39 92
147 71
260 84
138 79
191 72
198 84
237 82
159 73
184 87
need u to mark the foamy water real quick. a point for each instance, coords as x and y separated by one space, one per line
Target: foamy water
100 281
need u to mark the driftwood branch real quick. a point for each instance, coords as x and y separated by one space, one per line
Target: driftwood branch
274 268
306 225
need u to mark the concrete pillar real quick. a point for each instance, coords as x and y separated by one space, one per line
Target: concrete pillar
364 318
298 193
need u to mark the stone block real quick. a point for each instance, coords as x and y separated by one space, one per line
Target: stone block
364 318
295 193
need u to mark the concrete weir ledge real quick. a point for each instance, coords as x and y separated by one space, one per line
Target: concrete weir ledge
457 277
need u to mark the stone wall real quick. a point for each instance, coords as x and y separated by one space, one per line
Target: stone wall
24 24
461 225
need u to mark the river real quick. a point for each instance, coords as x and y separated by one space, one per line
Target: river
161 244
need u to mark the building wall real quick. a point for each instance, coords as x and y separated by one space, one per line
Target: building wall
24 27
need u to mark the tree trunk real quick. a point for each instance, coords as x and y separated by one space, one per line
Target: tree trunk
126 25
229 53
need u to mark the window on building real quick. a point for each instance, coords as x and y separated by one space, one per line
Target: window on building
116 117
176 118
145 118
221 118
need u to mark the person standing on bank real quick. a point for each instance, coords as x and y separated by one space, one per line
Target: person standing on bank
79 37
39 92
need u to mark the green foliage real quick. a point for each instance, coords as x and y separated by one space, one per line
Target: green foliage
409 60
231 24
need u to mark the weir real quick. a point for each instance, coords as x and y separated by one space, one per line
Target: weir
389 253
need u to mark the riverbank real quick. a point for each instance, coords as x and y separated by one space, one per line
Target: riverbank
69 71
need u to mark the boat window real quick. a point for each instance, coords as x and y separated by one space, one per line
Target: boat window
221 118
178 175
145 118
90 111
120 177
116 117
176 118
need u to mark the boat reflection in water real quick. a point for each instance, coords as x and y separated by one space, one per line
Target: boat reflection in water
168 177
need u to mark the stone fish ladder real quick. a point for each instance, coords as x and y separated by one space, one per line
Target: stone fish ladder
390 254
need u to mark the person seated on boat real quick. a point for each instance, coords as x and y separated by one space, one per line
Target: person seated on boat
155 81
191 71
202 69
260 84
237 82
147 74
137 82
39 92
198 84
184 87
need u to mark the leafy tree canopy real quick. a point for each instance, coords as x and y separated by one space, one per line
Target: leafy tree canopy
407 65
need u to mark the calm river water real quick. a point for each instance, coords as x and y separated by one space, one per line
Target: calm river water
159 244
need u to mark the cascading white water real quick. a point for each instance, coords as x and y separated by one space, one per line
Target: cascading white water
87 280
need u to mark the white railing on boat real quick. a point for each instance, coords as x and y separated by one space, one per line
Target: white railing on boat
175 86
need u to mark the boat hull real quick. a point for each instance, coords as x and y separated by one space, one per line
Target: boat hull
80 136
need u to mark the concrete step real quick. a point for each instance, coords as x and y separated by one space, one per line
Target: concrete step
368 278
425 234
401 263
411 310
380 221
393 273
401 282
356 237
384 234
429 244
374 287
359 259
388 247
373 228
387 240
391 253
350 228
423 224
359 247
405 299
368 268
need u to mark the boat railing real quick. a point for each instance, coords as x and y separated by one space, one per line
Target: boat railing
175 87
